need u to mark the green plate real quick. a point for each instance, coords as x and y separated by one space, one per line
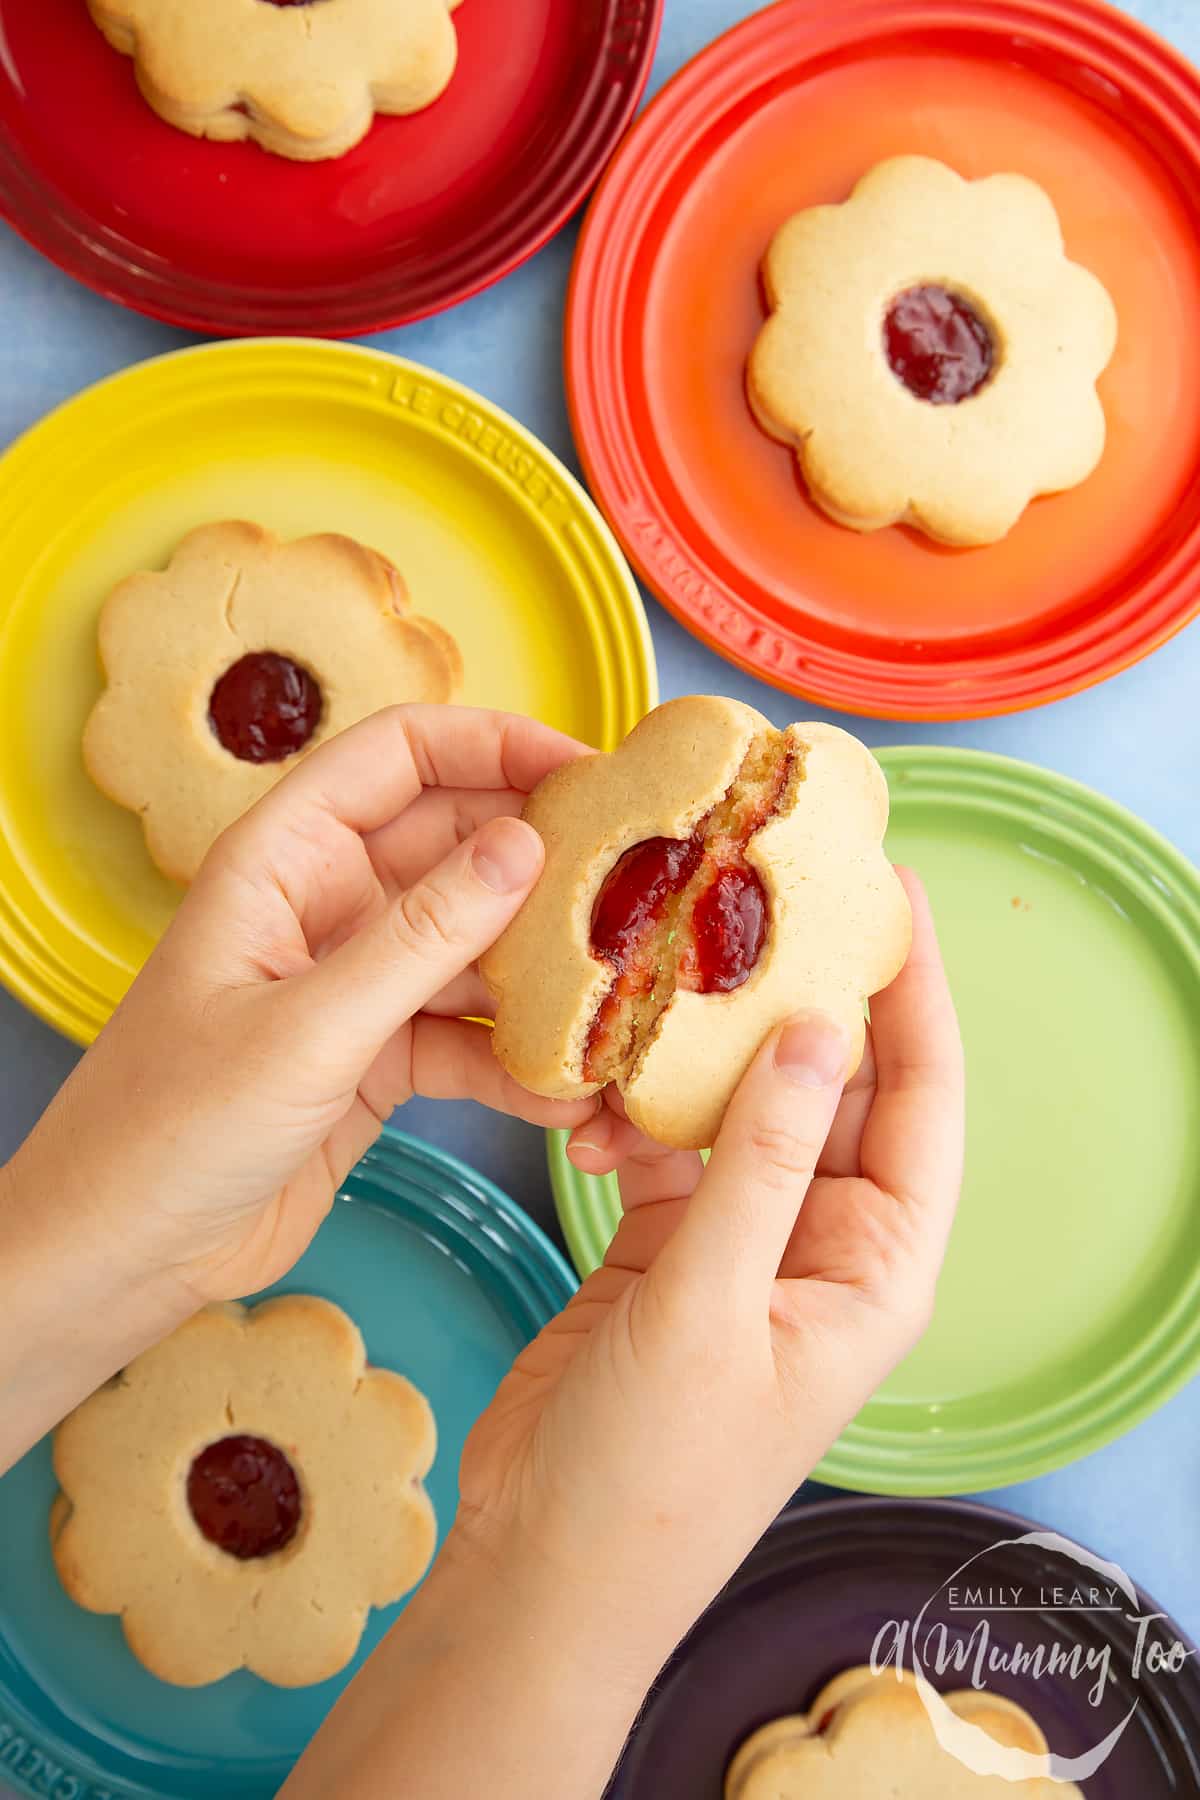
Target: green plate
1070 1303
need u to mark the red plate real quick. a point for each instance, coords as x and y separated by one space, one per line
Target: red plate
784 112
224 238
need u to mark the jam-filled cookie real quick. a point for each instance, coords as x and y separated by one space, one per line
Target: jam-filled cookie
243 1493
240 656
703 882
931 353
867 1734
303 78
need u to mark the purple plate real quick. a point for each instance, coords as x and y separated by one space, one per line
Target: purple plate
828 1578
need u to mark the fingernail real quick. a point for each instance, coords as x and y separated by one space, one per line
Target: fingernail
507 855
593 1136
812 1051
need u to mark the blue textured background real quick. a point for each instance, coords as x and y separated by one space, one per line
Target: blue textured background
1136 737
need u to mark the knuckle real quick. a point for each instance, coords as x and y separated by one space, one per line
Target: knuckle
232 850
782 1152
424 921
908 1314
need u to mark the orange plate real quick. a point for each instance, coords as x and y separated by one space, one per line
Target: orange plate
787 111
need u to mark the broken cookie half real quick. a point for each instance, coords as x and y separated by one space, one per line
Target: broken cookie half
707 880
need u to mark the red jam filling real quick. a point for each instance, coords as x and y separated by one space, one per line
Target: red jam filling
938 345
827 1721
704 889
244 1496
729 926
636 892
627 986
264 708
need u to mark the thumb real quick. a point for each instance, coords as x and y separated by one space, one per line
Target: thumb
356 999
744 1211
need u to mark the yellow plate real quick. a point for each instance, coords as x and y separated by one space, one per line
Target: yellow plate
495 539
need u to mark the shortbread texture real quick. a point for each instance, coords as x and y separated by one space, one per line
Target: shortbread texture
302 81
293 1372
879 1739
329 604
872 453
840 925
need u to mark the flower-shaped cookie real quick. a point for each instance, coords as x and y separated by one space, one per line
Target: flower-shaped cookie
931 353
303 78
244 653
243 1493
870 1734
704 881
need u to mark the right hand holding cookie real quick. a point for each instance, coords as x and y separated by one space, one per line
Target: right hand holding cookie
745 1312
644 1441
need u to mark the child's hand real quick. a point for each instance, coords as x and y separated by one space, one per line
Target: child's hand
647 1438
318 973
743 1316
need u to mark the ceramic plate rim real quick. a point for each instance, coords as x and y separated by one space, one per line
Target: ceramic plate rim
55 229
610 449
513 1246
774 1552
37 976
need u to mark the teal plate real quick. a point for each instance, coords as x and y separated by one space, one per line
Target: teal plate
448 1280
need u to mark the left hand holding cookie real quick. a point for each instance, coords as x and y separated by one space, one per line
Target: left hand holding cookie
319 972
